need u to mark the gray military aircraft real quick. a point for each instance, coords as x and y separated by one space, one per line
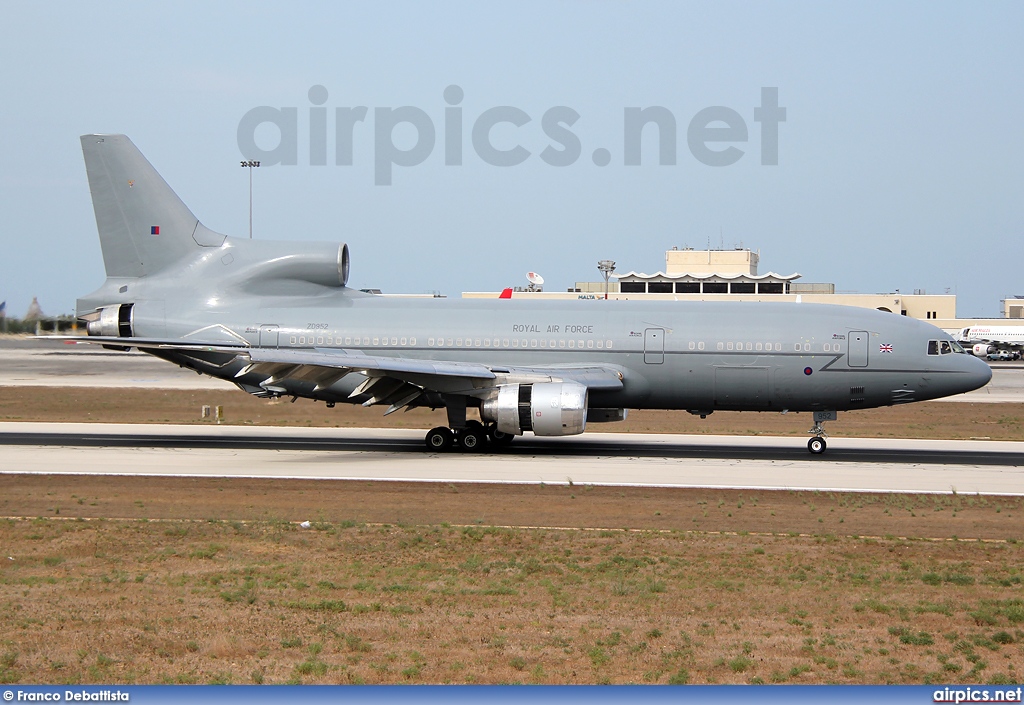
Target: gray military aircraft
277 319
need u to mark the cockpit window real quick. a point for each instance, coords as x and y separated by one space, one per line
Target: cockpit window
944 347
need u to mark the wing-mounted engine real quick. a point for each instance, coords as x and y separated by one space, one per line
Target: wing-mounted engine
983 349
547 409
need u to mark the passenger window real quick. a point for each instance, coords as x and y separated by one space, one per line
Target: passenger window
933 347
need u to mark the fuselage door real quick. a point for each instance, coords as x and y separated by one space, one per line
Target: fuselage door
858 343
654 346
269 336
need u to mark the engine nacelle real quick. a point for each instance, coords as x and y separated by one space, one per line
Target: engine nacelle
112 321
983 349
320 263
547 408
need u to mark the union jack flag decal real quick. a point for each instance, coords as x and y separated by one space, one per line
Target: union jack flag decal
884 347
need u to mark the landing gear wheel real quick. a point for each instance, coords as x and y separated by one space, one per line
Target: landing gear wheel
499 439
472 439
816 445
440 439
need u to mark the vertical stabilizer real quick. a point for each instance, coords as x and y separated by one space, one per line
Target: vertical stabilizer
143 225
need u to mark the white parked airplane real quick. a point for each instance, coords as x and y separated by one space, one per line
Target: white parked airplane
997 342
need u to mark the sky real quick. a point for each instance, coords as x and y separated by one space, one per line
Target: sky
899 162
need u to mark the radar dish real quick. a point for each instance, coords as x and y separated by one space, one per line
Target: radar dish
535 279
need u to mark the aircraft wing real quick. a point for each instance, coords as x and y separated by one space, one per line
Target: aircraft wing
398 381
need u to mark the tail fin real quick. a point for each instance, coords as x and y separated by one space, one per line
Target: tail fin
143 225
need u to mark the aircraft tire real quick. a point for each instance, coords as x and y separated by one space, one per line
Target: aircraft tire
440 439
473 440
499 439
816 445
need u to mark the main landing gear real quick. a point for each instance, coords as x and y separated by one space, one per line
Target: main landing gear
475 437
817 444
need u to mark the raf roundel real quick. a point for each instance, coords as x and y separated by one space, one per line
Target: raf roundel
808 371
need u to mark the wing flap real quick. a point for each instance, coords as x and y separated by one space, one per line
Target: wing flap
324 367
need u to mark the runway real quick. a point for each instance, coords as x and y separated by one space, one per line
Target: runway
648 460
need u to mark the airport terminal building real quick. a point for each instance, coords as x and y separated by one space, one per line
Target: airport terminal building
732 275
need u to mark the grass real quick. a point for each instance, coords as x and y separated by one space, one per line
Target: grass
405 603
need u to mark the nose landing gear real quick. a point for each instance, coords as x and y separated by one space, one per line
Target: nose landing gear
817 444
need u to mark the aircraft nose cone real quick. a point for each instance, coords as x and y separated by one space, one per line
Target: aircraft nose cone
979 374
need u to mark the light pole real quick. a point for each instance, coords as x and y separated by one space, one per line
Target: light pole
250 163
606 266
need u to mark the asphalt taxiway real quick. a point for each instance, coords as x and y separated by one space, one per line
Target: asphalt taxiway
659 460
652 460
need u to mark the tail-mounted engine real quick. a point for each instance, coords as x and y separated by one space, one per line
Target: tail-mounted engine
547 409
112 321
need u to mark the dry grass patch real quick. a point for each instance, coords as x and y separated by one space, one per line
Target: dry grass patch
267 602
